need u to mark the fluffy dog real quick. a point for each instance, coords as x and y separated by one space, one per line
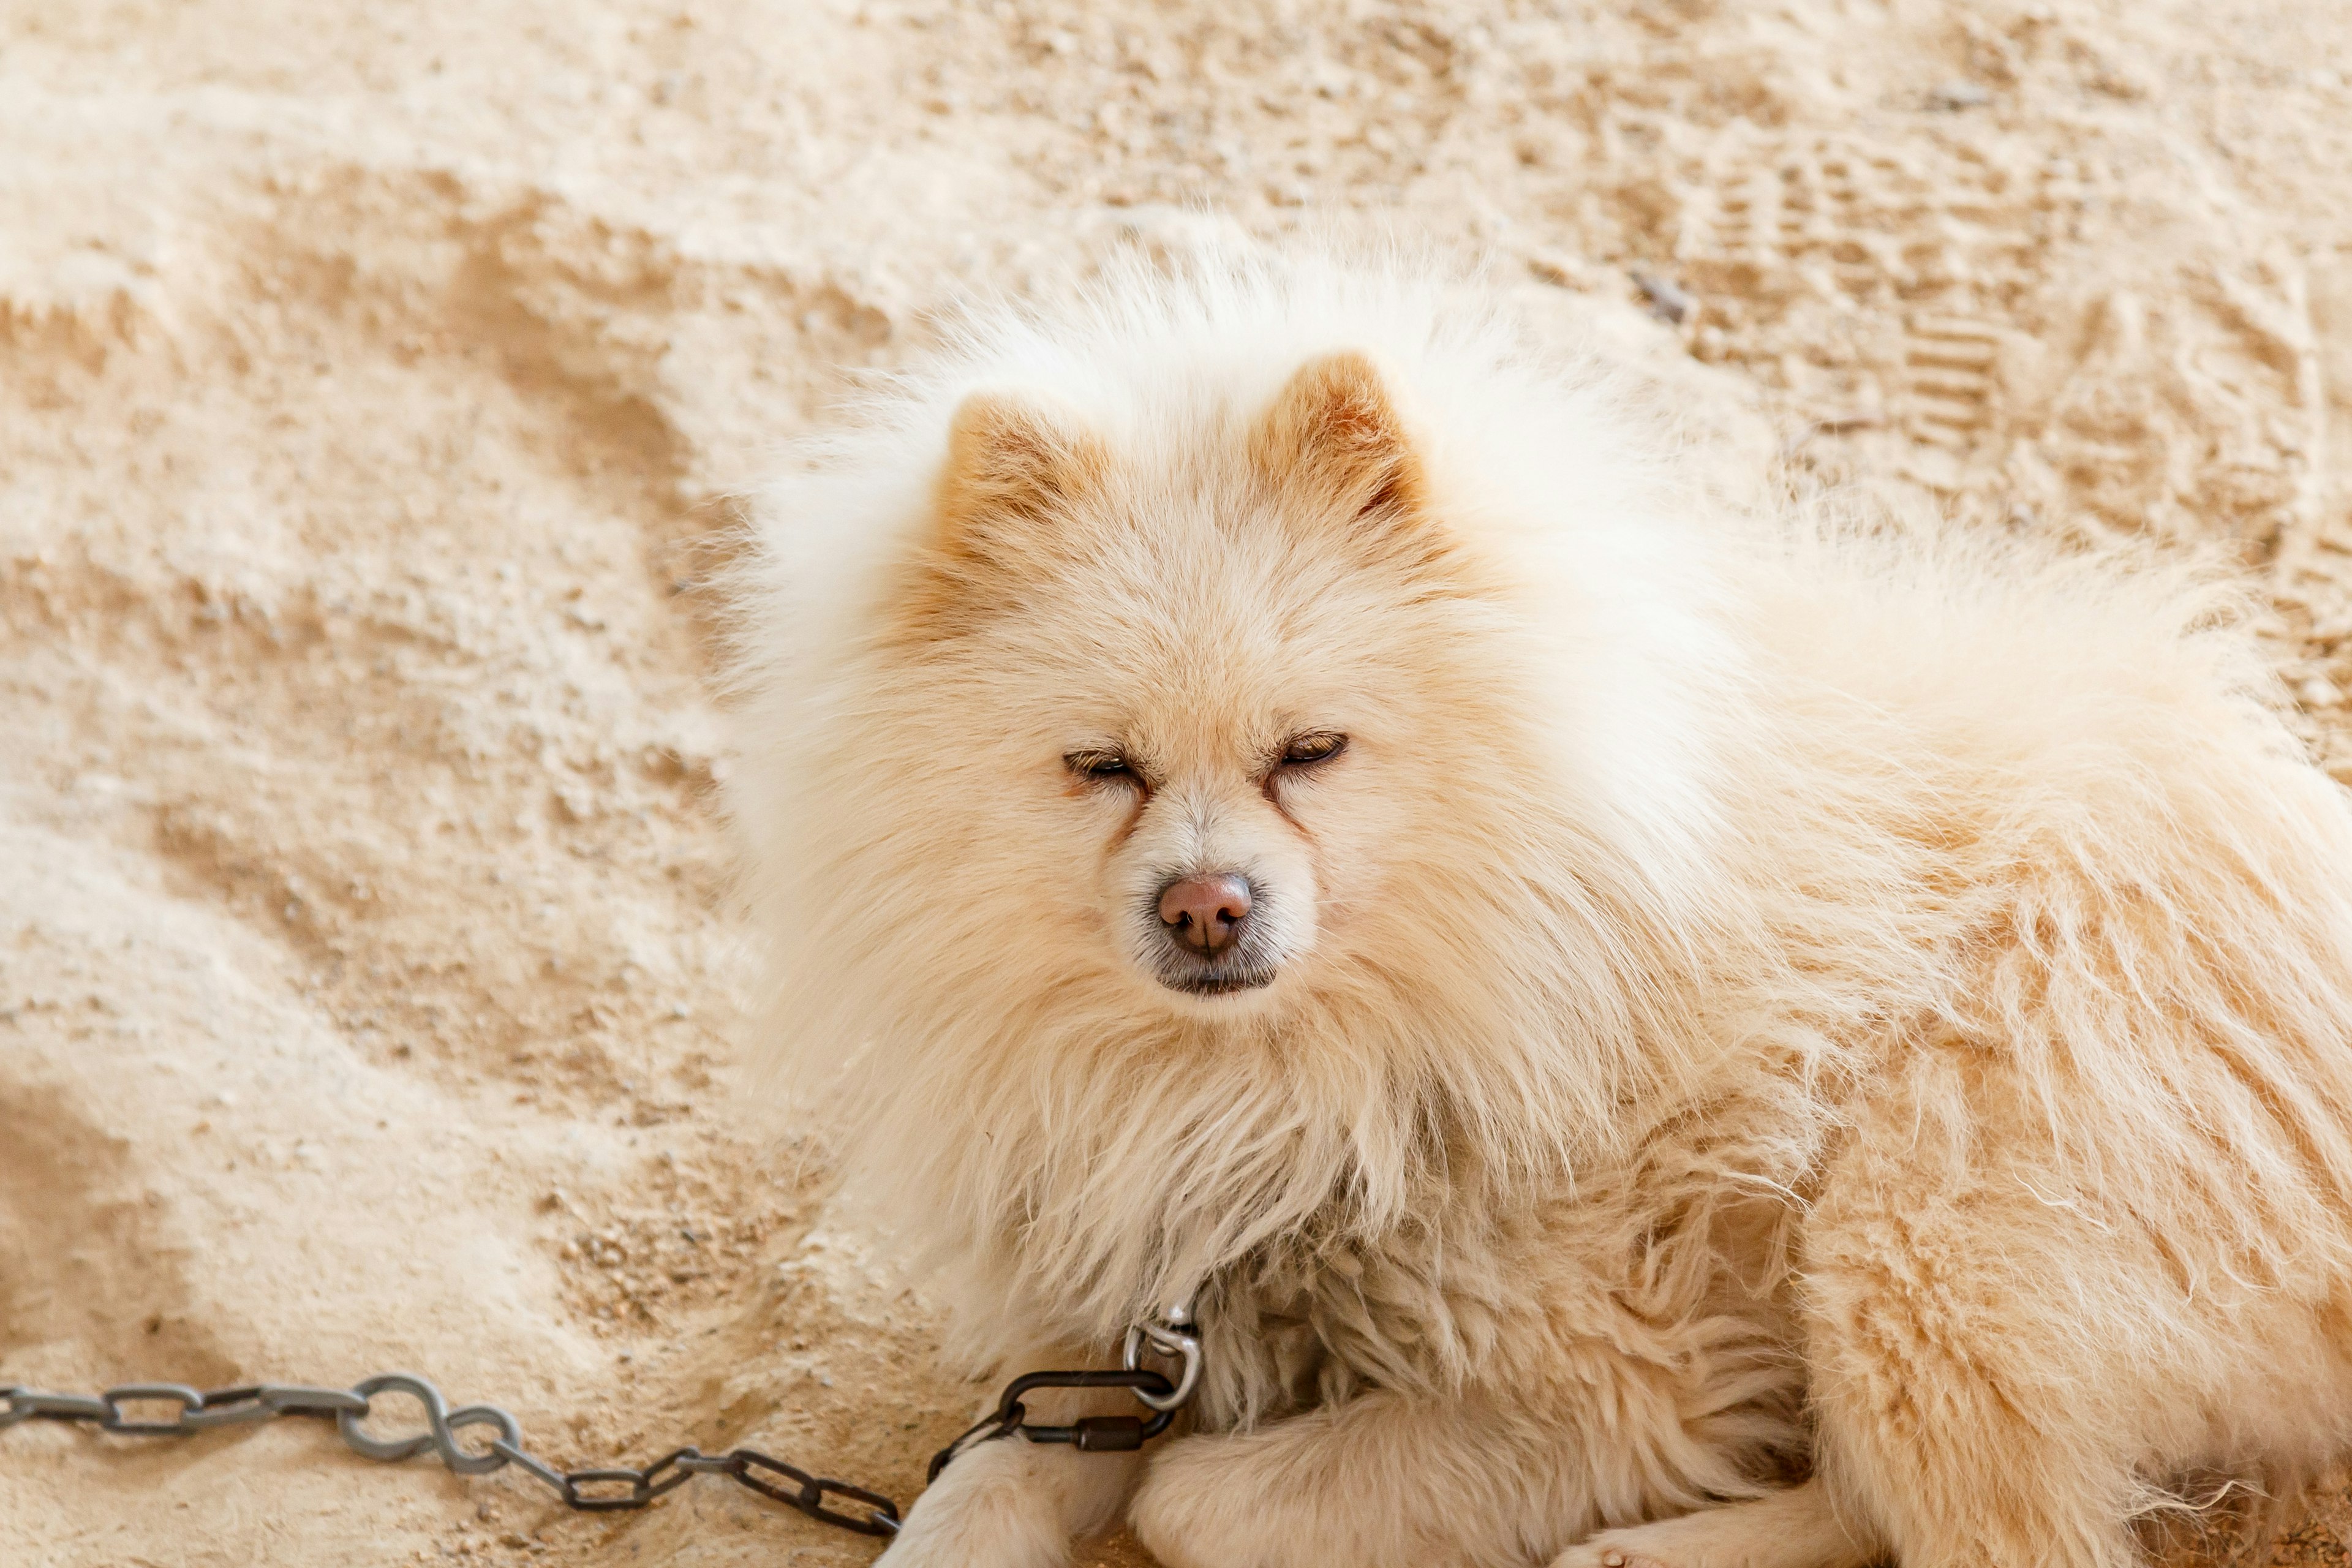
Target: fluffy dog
1652 1034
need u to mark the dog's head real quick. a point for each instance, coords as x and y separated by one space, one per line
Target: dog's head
1205 685
1178 677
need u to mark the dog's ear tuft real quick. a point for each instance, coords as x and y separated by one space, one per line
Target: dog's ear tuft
1335 434
1011 460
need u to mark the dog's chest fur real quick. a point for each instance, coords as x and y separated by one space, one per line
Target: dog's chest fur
1669 1269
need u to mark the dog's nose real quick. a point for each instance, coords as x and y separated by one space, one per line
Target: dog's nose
1205 913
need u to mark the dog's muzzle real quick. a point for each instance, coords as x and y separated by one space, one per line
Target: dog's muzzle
1212 934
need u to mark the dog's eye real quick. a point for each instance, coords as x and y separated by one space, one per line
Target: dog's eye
1308 750
1101 767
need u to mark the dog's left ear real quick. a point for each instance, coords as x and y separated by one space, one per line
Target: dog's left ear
1334 437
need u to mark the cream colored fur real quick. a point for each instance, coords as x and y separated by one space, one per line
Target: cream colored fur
1857 1021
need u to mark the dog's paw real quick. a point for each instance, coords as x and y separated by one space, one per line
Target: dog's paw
1601 1551
969 1541
1792 1528
1168 1515
995 1508
1200 1506
935 1542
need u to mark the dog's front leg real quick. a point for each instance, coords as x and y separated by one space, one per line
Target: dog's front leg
1012 1503
1381 1482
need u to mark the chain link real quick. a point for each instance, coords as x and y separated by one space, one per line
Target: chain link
1171 1335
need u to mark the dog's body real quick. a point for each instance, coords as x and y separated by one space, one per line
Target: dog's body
1839 1043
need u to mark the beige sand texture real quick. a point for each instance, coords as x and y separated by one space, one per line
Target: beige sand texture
368 978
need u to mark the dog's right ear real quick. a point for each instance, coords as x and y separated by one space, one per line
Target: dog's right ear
1016 465
1012 458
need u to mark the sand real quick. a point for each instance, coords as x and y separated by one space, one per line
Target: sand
369 983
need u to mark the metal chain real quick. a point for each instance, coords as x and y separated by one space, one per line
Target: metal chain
617 1487
588 1490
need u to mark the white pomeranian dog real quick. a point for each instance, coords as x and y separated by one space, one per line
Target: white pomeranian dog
1649 1035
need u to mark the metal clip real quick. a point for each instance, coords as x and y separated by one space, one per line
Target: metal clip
1173 1335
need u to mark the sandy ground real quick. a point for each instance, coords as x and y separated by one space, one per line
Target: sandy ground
367 975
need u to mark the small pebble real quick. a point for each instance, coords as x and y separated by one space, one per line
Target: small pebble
1668 300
